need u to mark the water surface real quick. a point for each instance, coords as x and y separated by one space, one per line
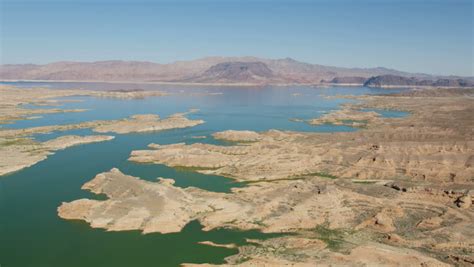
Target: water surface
31 233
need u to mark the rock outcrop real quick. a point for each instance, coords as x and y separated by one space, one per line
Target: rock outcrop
335 221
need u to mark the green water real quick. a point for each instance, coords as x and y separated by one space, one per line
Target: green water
31 233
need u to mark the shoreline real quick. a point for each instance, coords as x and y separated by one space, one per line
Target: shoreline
240 84
25 151
163 83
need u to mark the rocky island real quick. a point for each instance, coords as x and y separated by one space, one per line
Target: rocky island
146 123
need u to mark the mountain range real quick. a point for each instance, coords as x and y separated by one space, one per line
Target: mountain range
217 70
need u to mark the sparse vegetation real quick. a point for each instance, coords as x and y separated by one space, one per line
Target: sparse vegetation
334 238
274 180
259 223
16 141
242 260
193 169
322 174
364 181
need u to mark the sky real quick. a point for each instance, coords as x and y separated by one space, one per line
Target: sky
427 36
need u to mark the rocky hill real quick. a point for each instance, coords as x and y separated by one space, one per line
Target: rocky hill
395 81
236 72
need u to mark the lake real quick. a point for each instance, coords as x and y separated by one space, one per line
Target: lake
31 233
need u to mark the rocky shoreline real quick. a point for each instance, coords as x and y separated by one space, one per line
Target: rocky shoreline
23 151
13 98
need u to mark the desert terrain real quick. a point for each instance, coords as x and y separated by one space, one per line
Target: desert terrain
236 133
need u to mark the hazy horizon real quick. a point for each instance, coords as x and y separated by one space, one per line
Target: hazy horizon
432 37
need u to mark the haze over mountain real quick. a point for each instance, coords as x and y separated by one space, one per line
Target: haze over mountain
229 70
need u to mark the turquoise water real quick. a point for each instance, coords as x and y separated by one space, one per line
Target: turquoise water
31 234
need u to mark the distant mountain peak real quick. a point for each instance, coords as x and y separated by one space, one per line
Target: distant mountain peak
236 72
289 59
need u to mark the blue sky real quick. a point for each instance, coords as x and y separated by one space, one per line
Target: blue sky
430 36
